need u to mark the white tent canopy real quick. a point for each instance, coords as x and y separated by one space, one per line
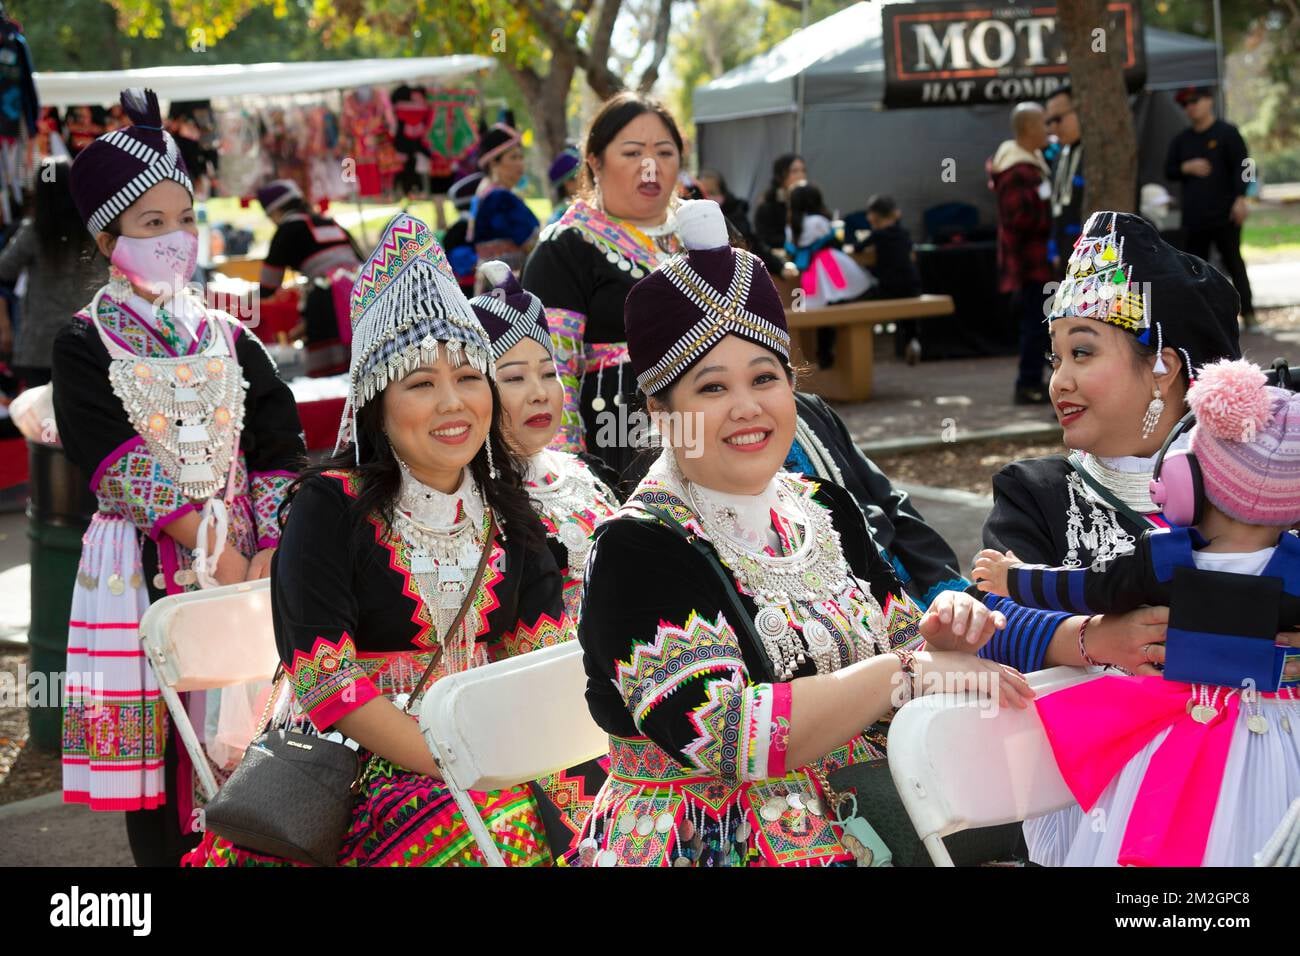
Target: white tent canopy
248 79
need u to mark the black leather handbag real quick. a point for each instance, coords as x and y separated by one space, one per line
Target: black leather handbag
293 794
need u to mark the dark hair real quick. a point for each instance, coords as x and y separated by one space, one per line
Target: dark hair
1144 354
296 204
714 174
805 200
1062 90
618 111
882 205
380 476
780 169
60 232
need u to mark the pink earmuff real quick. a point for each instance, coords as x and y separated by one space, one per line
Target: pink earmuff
1177 489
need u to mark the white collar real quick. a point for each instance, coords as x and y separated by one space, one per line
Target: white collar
543 464
745 519
436 510
1137 464
188 310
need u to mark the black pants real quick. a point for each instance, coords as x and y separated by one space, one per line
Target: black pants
155 836
1034 341
1227 239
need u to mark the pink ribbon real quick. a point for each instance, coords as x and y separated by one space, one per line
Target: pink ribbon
1097 727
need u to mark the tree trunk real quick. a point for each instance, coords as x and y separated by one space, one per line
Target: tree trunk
546 97
1097 80
662 21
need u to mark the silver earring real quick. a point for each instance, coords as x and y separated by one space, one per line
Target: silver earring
119 286
492 467
1151 419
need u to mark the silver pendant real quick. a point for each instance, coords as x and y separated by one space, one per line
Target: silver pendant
664 822
116 586
160 581
1256 724
572 536
598 404
743 833
773 810
618 399
681 861
794 801
1203 714
136 581
626 823
814 806
645 825
687 830
607 858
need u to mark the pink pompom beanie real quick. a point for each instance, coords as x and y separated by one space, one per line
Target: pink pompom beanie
1247 443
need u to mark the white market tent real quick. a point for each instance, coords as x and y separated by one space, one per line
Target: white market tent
820 92
219 81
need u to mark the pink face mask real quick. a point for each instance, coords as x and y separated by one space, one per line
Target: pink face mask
161 263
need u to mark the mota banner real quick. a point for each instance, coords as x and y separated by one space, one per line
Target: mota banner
962 52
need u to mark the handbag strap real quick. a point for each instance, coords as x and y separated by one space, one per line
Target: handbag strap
436 656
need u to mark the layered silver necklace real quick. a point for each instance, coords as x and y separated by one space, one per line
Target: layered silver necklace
571 490
785 587
446 534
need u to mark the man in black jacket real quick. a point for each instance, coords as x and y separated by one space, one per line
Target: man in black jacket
1210 159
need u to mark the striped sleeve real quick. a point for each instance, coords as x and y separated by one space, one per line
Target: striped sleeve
1023 642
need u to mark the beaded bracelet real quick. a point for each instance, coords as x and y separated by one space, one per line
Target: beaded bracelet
1083 651
907 667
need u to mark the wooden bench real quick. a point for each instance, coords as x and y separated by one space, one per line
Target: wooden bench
849 378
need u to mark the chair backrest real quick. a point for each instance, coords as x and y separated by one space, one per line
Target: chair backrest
959 765
513 720
212 638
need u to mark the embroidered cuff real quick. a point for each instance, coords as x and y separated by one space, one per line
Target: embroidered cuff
329 684
675 656
267 490
132 483
547 632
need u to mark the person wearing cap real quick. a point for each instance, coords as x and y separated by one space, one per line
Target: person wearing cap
501 224
1227 763
618 230
571 493
563 177
770 635
455 242
315 246
191 440
1211 161
380 554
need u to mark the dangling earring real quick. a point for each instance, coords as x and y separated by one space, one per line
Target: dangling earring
1152 417
600 198
119 286
492 466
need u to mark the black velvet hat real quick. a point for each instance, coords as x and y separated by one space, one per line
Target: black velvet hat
1123 273
677 313
510 313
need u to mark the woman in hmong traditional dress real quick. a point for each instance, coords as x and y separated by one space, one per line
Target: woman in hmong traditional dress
379 547
1131 327
501 224
585 264
722 729
571 492
191 439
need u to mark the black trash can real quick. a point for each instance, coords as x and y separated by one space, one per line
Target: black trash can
59 510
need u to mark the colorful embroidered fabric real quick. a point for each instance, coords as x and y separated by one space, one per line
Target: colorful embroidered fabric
407 819
623 245
267 490
567 330
328 684
1099 284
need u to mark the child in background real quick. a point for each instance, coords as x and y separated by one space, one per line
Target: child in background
826 273
887 252
1200 773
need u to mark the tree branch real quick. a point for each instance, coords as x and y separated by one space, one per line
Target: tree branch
599 76
662 22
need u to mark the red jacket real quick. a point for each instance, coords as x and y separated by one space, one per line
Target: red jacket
1024 224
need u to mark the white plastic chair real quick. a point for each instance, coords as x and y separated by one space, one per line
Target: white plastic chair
957 765
204 640
507 723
